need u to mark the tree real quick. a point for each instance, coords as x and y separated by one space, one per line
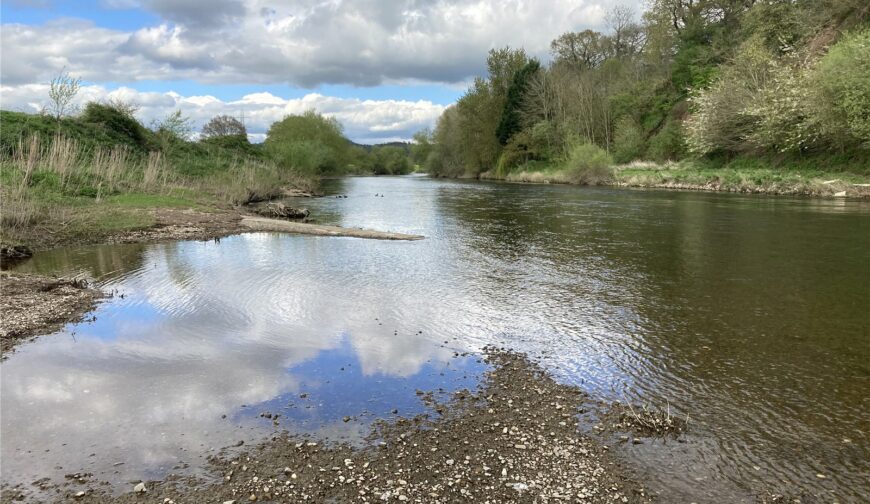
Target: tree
172 129
446 157
627 37
309 142
510 122
422 147
390 160
176 125
223 126
583 50
62 90
843 78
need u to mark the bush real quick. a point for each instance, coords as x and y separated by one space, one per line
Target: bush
843 77
669 144
722 120
235 143
116 121
588 164
627 141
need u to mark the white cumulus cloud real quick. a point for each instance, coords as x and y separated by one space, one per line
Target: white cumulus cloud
365 121
302 43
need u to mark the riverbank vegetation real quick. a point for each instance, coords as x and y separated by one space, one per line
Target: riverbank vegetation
737 95
98 171
315 145
102 171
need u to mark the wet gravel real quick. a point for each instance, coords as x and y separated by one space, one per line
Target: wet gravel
32 305
515 439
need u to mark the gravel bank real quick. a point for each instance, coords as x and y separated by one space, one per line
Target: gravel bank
33 305
514 440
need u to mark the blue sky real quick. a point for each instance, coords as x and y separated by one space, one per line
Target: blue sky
384 68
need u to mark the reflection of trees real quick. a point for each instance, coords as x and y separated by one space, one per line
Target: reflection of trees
100 262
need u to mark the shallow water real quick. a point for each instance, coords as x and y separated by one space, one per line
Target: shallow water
750 314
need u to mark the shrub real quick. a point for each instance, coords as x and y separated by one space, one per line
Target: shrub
720 120
782 116
588 164
627 141
235 143
843 77
116 121
668 144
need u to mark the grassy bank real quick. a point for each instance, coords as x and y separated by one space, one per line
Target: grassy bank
102 173
809 177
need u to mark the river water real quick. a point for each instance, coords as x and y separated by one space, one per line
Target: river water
749 314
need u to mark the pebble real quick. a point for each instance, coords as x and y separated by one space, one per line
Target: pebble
140 488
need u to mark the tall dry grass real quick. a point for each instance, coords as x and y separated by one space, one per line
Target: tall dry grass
41 175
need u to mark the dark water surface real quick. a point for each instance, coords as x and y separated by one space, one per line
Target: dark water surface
750 314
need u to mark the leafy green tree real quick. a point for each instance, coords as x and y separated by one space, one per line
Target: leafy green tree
692 77
390 160
172 130
628 141
422 146
511 121
310 142
446 158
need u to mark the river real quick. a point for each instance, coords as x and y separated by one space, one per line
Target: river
751 315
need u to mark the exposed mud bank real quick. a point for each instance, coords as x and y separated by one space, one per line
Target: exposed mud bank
514 439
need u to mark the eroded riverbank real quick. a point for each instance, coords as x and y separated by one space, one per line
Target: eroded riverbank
514 439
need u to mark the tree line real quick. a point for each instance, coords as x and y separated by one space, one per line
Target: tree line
309 143
719 79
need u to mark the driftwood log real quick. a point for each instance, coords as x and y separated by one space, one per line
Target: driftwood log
281 211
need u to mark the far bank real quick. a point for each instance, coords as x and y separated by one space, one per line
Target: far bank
747 177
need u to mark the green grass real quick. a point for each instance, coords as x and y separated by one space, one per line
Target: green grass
814 177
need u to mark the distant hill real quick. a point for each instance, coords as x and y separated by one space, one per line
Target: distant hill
406 146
